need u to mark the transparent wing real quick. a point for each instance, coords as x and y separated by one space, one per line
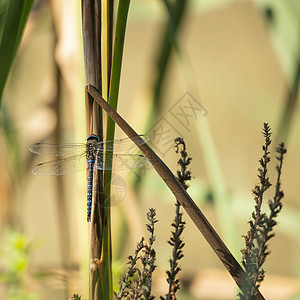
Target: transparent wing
66 165
57 149
125 145
122 162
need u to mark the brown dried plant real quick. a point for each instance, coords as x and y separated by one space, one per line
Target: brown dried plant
262 225
136 283
183 176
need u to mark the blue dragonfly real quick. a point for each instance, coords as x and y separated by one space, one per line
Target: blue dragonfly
79 156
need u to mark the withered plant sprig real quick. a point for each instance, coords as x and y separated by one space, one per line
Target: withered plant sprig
136 284
144 280
183 175
126 280
261 225
275 206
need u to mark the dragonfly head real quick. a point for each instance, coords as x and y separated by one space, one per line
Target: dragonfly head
94 138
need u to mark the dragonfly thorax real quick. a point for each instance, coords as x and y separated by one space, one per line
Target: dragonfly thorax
91 150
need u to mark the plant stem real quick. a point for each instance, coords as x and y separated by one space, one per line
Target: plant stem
114 70
182 196
99 275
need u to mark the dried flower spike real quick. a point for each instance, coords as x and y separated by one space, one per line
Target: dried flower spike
183 175
136 284
261 224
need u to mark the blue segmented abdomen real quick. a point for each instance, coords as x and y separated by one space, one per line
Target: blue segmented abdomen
91 163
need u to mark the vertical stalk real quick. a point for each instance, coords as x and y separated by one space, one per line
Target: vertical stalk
106 256
103 72
114 71
91 28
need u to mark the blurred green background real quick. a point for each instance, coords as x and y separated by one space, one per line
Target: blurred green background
239 59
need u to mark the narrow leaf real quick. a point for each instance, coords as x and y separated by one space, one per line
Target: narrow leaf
16 17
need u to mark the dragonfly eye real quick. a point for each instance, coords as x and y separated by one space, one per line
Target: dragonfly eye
93 137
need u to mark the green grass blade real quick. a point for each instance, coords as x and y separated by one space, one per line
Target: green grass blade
115 75
176 15
3 14
117 62
176 10
113 100
13 27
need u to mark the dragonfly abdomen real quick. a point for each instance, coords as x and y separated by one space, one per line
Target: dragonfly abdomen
91 163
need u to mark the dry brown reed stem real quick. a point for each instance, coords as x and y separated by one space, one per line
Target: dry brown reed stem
182 196
92 31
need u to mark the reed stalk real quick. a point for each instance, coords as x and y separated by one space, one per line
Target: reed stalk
97 35
92 33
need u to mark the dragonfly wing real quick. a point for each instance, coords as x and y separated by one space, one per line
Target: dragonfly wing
125 145
122 162
56 149
61 166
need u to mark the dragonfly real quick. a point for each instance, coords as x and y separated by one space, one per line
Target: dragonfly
79 156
